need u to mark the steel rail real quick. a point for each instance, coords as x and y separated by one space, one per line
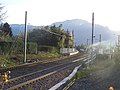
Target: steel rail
38 78
14 80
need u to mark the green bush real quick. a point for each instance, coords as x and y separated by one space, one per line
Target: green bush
48 49
6 61
102 57
82 73
31 47
5 47
17 47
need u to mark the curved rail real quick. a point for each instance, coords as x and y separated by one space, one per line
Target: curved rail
42 73
59 68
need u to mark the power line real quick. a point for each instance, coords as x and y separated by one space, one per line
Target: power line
53 33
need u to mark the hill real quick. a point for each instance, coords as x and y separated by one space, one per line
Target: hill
19 28
82 30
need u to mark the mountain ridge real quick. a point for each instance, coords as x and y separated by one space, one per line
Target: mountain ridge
82 30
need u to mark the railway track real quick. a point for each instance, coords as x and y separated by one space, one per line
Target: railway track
32 77
36 63
33 67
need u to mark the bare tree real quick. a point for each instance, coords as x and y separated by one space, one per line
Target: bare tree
2 14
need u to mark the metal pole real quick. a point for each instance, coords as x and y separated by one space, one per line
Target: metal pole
92 36
67 41
100 38
92 27
72 38
25 37
118 42
87 41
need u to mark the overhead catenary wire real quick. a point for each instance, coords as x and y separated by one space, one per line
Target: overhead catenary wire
53 33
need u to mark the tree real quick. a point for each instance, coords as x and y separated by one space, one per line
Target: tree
83 46
6 29
2 14
48 35
57 37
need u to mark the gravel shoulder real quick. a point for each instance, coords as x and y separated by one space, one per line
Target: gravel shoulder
102 75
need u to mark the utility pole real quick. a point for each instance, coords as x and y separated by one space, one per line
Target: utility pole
100 37
72 38
118 43
87 41
92 27
25 38
92 36
67 41
118 40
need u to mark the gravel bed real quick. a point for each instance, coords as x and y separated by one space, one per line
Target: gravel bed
48 82
27 78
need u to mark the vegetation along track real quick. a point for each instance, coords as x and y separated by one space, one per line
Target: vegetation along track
19 81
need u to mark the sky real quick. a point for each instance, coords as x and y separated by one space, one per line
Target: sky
46 12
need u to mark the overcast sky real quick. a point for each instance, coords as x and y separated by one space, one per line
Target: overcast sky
45 12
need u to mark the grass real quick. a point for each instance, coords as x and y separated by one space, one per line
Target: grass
100 63
6 61
101 66
43 55
82 73
18 58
